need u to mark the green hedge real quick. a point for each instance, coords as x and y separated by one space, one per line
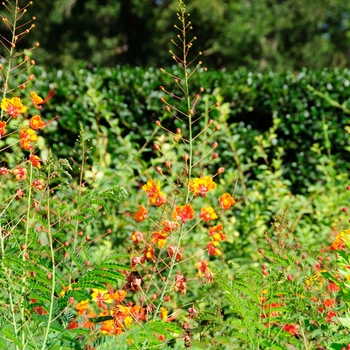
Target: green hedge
125 102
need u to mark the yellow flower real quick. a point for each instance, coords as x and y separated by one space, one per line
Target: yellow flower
13 106
200 186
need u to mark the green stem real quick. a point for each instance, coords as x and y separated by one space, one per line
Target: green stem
190 159
53 277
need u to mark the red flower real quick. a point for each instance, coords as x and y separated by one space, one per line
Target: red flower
183 213
333 287
328 302
330 315
291 328
2 128
212 250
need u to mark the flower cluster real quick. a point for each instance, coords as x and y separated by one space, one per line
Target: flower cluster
13 108
166 232
109 304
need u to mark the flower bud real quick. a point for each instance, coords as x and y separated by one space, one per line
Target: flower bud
289 278
178 131
215 144
214 156
159 170
156 147
158 123
186 157
345 209
221 170
49 276
211 121
87 263
167 164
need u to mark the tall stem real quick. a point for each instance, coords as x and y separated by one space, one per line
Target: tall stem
12 49
53 275
190 159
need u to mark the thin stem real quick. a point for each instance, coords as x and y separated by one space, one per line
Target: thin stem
53 277
190 160
11 51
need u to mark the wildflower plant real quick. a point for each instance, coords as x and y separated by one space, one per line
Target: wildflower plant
177 223
47 218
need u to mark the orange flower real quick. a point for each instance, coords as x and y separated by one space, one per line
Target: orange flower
171 251
202 267
37 100
226 201
159 237
136 237
119 295
207 214
158 199
2 128
333 287
108 327
212 250
36 123
148 253
183 213
38 185
20 173
163 313
82 306
328 302
151 187
27 136
216 233
35 160
141 214
169 226
200 186
340 240
13 106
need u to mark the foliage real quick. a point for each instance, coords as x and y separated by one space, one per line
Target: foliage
277 35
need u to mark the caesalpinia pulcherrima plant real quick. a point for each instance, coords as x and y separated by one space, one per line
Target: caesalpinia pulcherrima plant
62 291
179 210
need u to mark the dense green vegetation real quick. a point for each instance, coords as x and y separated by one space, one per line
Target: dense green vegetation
256 34
125 102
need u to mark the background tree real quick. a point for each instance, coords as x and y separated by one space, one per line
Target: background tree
257 34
